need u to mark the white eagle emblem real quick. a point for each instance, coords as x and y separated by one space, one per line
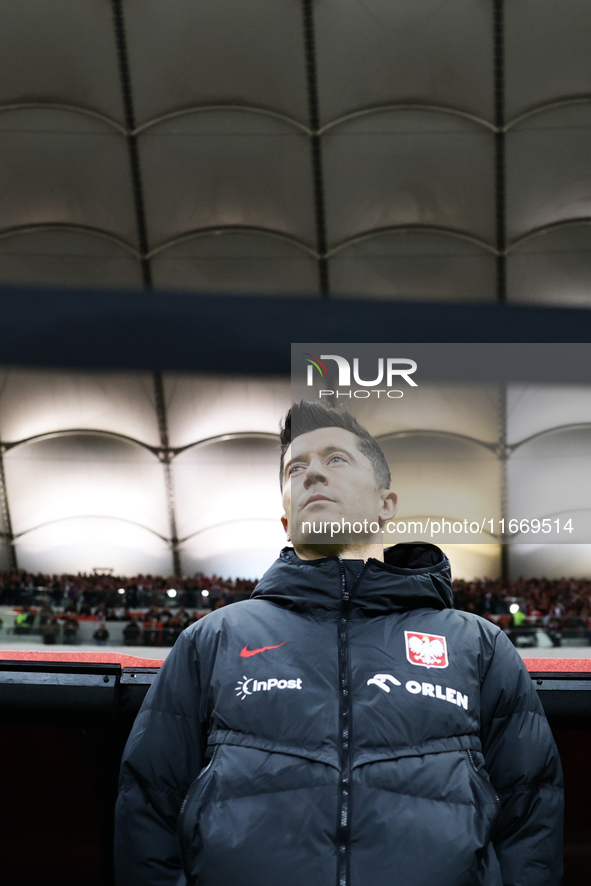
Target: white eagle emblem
428 650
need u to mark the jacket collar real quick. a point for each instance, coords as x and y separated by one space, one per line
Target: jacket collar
412 576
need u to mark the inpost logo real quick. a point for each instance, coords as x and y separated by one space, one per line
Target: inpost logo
389 371
248 685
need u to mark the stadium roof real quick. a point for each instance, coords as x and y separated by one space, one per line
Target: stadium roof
432 151
412 152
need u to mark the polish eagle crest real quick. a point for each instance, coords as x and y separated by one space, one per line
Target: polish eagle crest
428 650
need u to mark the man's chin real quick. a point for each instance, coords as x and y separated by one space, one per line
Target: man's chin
327 532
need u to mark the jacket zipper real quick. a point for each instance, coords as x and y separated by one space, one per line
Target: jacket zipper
345 728
497 798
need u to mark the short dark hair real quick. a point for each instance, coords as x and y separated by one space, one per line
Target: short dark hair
309 416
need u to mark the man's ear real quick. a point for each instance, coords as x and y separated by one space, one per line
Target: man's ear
286 527
389 504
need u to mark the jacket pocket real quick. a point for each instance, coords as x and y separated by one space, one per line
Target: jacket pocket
476 762
188 805
422 817
251 812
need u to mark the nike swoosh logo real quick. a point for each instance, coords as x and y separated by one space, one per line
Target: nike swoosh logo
246 651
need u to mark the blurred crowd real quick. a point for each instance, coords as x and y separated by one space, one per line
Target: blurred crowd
156 609
540 597
109 596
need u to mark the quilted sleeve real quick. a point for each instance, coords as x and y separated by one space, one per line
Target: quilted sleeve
162 758
524 767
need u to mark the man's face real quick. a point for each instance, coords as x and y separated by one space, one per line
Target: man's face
327 478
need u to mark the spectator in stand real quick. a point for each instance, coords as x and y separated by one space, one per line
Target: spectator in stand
518 620
152 614
24 621
71 627
554 632
45 613
51 632
169 631
132 633
101 635
152 632
57 593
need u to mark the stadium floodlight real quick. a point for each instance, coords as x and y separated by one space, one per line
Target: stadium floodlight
121 590
205 593
513 608
171 592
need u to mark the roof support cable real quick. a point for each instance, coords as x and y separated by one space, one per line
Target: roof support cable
166 455
501 243
132 142
500 147
316 145
7 532
142 233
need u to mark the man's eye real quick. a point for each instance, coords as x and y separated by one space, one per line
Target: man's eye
337 458
294 468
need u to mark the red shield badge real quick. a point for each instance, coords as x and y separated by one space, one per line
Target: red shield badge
427 650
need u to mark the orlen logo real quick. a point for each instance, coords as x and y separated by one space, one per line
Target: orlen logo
429 690
389 371
248 685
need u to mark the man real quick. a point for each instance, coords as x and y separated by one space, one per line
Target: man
345 726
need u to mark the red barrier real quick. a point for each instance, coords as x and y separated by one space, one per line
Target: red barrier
534 665
558 665
122 658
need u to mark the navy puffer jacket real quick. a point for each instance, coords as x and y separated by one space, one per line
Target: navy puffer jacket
343 727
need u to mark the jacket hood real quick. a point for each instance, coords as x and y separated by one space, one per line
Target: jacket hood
412 576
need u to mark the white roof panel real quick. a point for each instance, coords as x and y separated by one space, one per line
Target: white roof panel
64 167
244 549
220 168
34 402
63 51
552 268
546 52
203 406
83 545
414 265
551 561
533 409
57 257
469 410
409 167
442 477
471 561
550 477
226 484
548 169
184 54
237 262
374 52
85 476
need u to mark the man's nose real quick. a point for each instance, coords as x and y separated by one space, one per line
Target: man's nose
314 474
